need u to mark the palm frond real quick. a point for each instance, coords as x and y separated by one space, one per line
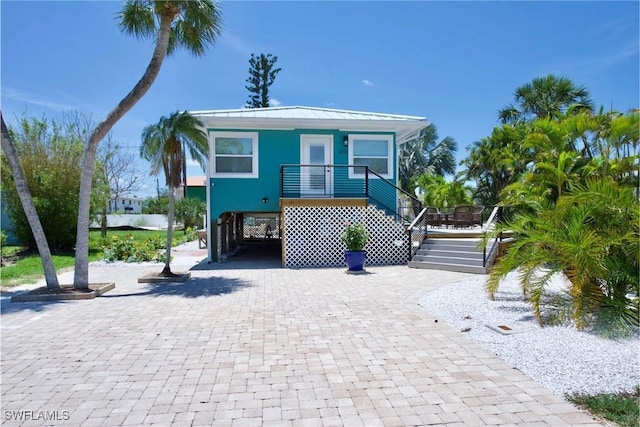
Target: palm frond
198 25
137 18
162 145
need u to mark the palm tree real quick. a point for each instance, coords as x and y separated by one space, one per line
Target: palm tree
424 154
443 194
497 161
26 200
590 234
546 97
162 145
191 24
189 210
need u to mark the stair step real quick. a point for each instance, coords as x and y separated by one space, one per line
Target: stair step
444 243
448 260
450 253
449 267
453 241
451 248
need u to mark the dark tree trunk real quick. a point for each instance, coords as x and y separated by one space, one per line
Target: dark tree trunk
26 200
81 272
103 223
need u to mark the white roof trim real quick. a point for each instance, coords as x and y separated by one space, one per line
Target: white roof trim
312 118
290 112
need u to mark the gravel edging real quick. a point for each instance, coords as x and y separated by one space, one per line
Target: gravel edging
561 358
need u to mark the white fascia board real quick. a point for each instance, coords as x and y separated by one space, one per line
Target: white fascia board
401 127
297 112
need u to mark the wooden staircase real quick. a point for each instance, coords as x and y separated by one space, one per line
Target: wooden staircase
462 254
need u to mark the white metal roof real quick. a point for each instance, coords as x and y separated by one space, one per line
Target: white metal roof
313 118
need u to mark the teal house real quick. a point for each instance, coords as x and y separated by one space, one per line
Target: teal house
299 174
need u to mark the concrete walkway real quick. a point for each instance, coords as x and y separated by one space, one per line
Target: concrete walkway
247 346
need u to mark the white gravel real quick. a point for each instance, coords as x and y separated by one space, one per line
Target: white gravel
561 358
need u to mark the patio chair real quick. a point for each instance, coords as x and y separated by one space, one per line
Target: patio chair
467 216
462 216
434 218
477 216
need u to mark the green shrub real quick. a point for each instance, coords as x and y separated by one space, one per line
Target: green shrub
190 234
51 155
151 249
355 237
189 212
129 250
156 205
157 242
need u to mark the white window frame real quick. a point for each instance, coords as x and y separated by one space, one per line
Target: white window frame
255 157
388 138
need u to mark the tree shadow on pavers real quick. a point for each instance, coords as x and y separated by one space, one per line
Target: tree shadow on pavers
6 306
195 287
192 288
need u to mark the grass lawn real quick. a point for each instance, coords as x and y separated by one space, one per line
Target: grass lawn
623 408
27 268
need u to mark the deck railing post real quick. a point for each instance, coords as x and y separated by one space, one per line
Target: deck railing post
366 181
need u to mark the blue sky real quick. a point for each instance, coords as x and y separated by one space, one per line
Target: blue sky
456 63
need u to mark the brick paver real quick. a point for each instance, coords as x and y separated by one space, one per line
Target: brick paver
259 347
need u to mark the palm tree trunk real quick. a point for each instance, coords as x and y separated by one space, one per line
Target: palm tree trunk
81 273
166 271
26 200
103 223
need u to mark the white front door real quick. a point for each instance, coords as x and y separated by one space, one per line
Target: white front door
316 176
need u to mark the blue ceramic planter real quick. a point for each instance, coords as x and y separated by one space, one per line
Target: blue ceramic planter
355 260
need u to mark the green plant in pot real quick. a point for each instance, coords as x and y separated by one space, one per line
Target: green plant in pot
355 237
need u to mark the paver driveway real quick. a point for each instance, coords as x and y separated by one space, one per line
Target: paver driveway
245 347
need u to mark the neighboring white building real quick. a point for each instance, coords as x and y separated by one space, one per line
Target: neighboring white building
128 205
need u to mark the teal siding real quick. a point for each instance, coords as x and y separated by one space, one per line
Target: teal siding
198 192
275 147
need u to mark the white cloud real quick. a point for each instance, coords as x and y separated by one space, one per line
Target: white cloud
237 44
367 83
625 52
274 102
598 63
30 98
614 29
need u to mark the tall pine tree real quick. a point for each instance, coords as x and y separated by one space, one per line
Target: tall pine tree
261 75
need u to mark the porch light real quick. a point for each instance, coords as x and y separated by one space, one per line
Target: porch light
265 200
345 140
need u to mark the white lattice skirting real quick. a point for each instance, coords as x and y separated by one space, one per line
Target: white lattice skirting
312 236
